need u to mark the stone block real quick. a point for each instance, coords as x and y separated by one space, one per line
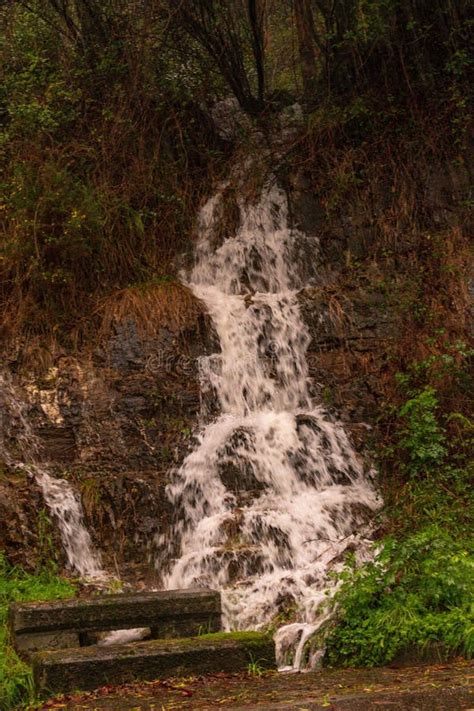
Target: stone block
168 613
92 667
30 642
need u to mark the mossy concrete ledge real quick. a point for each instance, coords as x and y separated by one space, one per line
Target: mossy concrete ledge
65 623
88 668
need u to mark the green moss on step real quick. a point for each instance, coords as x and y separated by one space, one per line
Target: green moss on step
242 637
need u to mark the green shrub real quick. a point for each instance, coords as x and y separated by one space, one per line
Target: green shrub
416 591
16 684
422 436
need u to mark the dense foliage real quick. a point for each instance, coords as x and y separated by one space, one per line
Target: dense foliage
107 134
104 150
417 592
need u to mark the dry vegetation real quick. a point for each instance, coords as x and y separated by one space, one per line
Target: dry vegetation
151 306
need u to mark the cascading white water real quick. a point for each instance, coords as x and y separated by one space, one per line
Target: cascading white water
58 494
273 493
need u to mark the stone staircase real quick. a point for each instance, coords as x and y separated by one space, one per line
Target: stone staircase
62 639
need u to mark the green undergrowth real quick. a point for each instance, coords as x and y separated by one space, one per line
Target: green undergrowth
418 592
16 683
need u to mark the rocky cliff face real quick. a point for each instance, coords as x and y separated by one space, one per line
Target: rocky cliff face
113 422
117 420
354 308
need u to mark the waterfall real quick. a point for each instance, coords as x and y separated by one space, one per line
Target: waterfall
20 449
273 493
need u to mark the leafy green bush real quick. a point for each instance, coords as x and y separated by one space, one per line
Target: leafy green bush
422 436
417 591
16 684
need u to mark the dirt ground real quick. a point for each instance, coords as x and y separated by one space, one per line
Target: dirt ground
441 687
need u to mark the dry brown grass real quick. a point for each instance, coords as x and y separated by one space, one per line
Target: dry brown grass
151 306
339 312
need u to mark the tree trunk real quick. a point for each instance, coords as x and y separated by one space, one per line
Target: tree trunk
307 49
256 17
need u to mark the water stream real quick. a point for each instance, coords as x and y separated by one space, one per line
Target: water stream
20 450
274 493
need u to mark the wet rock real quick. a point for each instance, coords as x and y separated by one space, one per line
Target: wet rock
112 423
230 120
28 538
235 465
236 561
59 443
350 337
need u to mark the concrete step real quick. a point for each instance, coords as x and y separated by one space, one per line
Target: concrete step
89 668
61 624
